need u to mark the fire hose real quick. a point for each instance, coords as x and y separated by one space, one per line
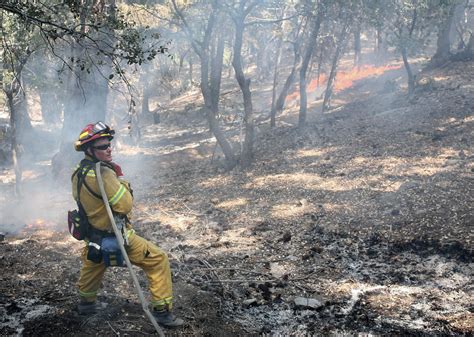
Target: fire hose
120 240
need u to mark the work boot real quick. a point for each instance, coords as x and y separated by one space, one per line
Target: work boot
90 308
167 319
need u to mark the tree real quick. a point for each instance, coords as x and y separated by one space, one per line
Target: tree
293 27
276 67
447 10
409 23
378 14
345 20
202 48
243 9
404 43
94 41
357 45
16 54
313 36
456 19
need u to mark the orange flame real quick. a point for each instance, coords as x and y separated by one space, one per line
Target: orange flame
37 225
345 79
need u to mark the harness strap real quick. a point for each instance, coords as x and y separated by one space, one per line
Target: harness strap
87 165
84 167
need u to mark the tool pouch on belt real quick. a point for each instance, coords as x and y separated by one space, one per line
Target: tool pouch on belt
111 252
94 252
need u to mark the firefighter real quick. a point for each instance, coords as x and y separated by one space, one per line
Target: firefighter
94 141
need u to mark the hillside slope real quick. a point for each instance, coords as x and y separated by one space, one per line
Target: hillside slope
360 223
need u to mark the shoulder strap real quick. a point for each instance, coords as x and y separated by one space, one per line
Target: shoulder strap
88 187
80 179
84 167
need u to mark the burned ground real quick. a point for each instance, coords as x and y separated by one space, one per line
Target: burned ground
360 223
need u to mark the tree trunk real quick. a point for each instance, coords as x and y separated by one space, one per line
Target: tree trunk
411 77
470 46
202 50
468 53
460 18
357 47
216 72
378 41
404 52
320 63
15 146
207 95
443 42
280 103
381 46
244 83
22 133
275 82
335 61
304 67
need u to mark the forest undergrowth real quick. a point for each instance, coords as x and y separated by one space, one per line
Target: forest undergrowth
360 223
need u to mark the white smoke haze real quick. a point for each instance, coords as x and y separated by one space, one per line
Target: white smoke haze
46 190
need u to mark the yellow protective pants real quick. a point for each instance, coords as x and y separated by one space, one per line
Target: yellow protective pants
141 253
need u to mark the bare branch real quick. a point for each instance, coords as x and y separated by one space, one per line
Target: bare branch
197 45
257 21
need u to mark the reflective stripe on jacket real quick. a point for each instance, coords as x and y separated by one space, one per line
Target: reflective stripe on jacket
118 194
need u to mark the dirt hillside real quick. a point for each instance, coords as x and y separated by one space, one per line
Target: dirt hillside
360 223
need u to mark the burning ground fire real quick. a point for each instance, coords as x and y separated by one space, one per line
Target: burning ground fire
39 225
26 229
345 79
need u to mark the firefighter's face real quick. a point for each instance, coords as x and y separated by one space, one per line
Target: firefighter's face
102 149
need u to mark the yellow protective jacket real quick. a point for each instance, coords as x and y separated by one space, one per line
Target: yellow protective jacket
117 190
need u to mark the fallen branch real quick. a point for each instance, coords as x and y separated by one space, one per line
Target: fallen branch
242 281
192 211
304 277
239 269
210 267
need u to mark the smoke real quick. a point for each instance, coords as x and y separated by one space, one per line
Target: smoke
44 203
47 157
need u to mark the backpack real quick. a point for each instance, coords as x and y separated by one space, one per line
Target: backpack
78 223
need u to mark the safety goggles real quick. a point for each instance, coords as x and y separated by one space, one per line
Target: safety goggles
102 147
